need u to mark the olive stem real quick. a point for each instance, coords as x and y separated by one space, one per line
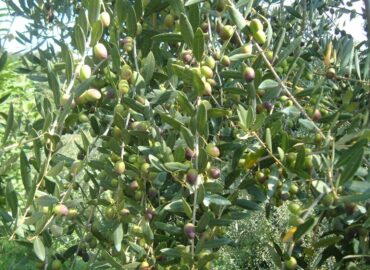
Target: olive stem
196 152
268 150
286 91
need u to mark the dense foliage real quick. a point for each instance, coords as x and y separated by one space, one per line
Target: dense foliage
156 125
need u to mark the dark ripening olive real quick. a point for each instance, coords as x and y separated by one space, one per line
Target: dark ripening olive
350 208
260 177
187 57
204 27
128 44
100 51
290 264
189 230
149 213
192 176
249 74
134 185
267 105
152 193
189 154
212 150
316 116
60 210
214 172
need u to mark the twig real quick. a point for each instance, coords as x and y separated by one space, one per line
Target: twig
286 91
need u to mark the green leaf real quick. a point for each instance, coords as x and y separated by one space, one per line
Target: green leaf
354 198
94 10
198 84
9 123
185 104
247 204
288 50
11 198
243 117
216 243
139 8
187 208
320 186
268 138
268 84
279 44
198 44
176 166
328 241
293 12
215 199
39 249
346 156
118 237
96 33
131 22
202 124
148 233
54 171
171 121
46 200
237 17
121 9
192 2
204 221
54 84
304 228
168 37
83 21
202 160
194 15
68 60
3 59
25 171
148 67
274 256
351 167
187 136
171 229
80 39
186 30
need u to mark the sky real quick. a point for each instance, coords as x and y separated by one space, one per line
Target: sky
353 27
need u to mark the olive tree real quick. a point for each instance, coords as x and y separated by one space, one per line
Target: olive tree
160 123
